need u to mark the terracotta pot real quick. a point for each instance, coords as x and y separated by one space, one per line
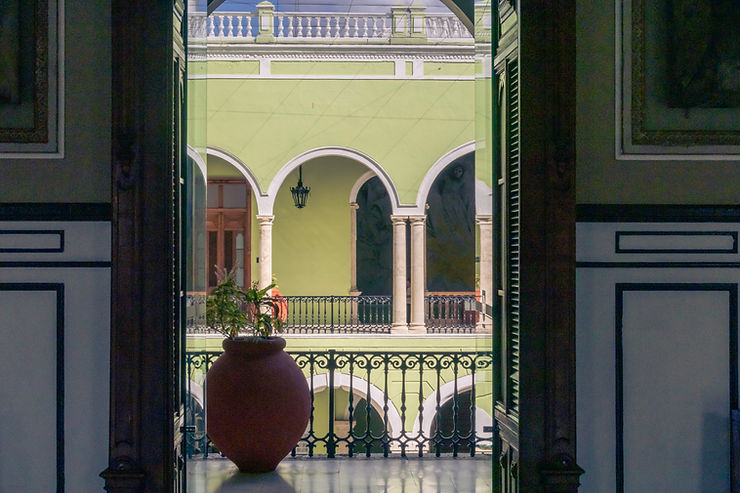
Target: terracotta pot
257 403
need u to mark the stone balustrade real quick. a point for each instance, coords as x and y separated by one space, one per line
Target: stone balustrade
401 24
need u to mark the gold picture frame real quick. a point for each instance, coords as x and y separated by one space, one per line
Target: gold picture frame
661 112
31 67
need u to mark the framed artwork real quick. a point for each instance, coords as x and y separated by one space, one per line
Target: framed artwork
31 78
678 90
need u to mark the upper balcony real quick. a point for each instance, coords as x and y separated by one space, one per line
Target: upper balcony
404 25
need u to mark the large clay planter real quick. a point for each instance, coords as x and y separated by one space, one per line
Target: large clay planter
257 403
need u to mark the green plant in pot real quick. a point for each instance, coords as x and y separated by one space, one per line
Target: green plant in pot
257 399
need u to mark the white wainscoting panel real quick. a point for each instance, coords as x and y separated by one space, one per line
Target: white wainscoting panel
654 330
29 318
28 356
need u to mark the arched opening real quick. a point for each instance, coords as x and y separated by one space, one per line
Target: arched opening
451 228
311 246
374 239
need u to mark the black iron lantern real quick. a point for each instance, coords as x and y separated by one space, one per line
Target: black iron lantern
300 193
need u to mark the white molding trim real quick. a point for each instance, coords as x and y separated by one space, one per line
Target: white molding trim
264 204
196 392
424 421
193 154
436 169
333 77
340 52
358 185
359 387
347 152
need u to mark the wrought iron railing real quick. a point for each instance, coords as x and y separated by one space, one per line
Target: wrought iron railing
338 314
450 313
379 392
444 313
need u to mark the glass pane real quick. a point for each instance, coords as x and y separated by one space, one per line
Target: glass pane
228 250
235 195
240 259
212 258
213 195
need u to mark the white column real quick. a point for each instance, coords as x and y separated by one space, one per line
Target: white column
399 275
353 291
265 250
418 268
353 248
485 233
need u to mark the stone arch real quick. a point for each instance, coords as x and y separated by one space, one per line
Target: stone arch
347 152
198 159
261 197
423 422
196 392
359 387
358 185
444 161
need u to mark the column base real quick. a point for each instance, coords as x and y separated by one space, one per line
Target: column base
417 329
399 329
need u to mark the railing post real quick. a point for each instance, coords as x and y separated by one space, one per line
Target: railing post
265 22
331 443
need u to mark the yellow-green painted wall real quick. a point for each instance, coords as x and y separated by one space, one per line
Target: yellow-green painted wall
404 125
311 246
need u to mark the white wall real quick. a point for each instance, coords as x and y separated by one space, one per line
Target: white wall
54 309
655 327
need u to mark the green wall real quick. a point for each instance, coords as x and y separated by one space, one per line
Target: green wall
600 178
84 173
404 125
311 246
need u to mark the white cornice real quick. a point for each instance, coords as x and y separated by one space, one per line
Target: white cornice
342 52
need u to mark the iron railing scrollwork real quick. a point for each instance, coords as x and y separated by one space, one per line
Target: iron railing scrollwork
364 314
392 403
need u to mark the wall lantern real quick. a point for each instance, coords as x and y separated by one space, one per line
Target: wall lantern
300 193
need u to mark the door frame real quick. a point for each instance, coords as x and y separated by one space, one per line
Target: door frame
141 431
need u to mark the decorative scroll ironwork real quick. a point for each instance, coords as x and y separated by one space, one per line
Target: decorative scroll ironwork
384 392
365 314
450 313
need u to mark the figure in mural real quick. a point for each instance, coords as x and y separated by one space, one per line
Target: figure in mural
451 229
704 54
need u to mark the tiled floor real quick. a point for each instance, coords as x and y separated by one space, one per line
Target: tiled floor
345 475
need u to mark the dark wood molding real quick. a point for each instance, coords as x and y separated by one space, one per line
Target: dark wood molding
55 211
141 275
595 213
547 422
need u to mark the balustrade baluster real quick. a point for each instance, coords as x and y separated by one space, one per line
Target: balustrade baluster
290 26
364 27
346 27
299 31
248 27
280 26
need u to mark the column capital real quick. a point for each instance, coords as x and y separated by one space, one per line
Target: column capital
265 219
396 219
483 218
418 219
